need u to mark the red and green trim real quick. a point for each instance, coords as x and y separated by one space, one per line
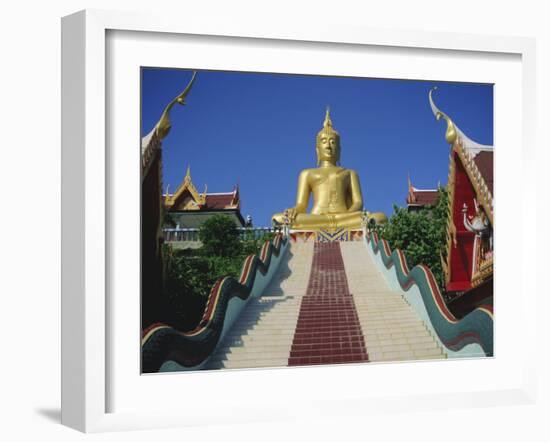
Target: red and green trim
454 334
161 343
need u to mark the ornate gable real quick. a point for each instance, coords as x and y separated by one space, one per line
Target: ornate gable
186 196
469 252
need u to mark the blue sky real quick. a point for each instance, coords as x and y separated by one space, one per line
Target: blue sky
258 130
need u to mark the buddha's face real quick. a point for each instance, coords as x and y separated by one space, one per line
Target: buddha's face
328 148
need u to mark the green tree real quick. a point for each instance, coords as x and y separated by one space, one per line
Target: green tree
421 235
220 237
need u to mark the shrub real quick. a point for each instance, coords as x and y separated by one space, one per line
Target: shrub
220 237
190 274
420 235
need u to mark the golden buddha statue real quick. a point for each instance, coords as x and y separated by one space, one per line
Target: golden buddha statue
337 198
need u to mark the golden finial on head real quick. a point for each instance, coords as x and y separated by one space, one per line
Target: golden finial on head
327 121
328 129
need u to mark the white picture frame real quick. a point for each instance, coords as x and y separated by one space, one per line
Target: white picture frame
86 233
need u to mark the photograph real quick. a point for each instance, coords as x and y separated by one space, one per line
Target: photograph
297 220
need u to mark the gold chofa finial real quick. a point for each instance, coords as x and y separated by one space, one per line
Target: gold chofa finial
188 173
451 134
163 125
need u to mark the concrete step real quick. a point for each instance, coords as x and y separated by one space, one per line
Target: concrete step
240 355
263 348
262 336
392 330
261 363
268 322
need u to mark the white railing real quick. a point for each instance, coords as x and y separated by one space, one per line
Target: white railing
192 234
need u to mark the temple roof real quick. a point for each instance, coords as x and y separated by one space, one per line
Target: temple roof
421 197
220 200
476 158
188 198
484 163
150 145
146 140
455 134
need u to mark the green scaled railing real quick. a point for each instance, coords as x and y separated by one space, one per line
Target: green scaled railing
190 350
454 334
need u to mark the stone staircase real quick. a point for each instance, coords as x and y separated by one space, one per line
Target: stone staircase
391 328
298 321
263 334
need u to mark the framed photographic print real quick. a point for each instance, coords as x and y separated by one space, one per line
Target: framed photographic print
281 211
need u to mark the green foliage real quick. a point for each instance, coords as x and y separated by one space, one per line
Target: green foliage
191 273
188 281
220 237
252 246
421 235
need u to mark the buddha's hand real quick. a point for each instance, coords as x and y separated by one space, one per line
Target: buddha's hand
290 214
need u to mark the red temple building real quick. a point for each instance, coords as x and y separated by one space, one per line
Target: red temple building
468 258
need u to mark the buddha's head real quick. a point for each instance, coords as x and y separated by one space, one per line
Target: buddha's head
328 142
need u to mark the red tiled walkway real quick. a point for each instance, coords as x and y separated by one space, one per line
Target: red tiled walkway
328 329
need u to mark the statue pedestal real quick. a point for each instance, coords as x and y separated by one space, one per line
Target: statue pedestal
327 235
